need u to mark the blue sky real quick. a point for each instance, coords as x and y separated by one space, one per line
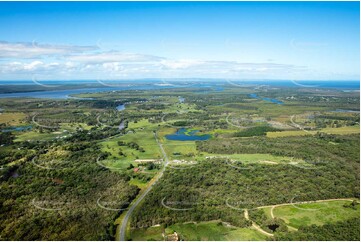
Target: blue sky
125 40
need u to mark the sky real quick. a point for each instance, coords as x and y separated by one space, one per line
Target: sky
135 40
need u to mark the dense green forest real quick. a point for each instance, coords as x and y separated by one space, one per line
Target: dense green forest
52 183
212 189
255 131
61 199
321 149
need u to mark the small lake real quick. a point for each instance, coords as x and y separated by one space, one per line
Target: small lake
120 107
345 111
18 128
184 134
272 100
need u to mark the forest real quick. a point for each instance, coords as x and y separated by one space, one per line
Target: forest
70 168
59 199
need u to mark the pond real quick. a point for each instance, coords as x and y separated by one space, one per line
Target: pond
345 111
272 100
18 128
184 134
121 107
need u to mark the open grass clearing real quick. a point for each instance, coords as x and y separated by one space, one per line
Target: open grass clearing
342 131
203 231
317 213
12 118
254 158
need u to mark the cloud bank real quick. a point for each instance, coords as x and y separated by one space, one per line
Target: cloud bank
24 60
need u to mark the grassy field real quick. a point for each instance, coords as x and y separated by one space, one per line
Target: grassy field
203 231
172 148
341 130
11 118
139 183
142 135
255 158
72 127
289 133
146 234
34 135
314 213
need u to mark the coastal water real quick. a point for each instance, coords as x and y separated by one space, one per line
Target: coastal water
217 86
65 94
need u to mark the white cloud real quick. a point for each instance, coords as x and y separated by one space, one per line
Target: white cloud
23 60
30 67
24 50
113 56
180 64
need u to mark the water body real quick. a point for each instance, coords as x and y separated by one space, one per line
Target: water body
184 134
216 85
272 100
120 107
345 111
58 94
18 128
122 125
66 94
338 84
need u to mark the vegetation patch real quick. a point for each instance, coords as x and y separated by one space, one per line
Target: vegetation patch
255 131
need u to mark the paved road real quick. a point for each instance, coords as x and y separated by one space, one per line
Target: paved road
123 226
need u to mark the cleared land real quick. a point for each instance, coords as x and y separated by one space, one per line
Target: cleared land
11 118
341 130
204 231
317 213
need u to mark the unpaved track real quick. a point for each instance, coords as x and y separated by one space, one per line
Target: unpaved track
129 212
254 225
316 201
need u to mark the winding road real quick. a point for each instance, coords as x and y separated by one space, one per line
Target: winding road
123 227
